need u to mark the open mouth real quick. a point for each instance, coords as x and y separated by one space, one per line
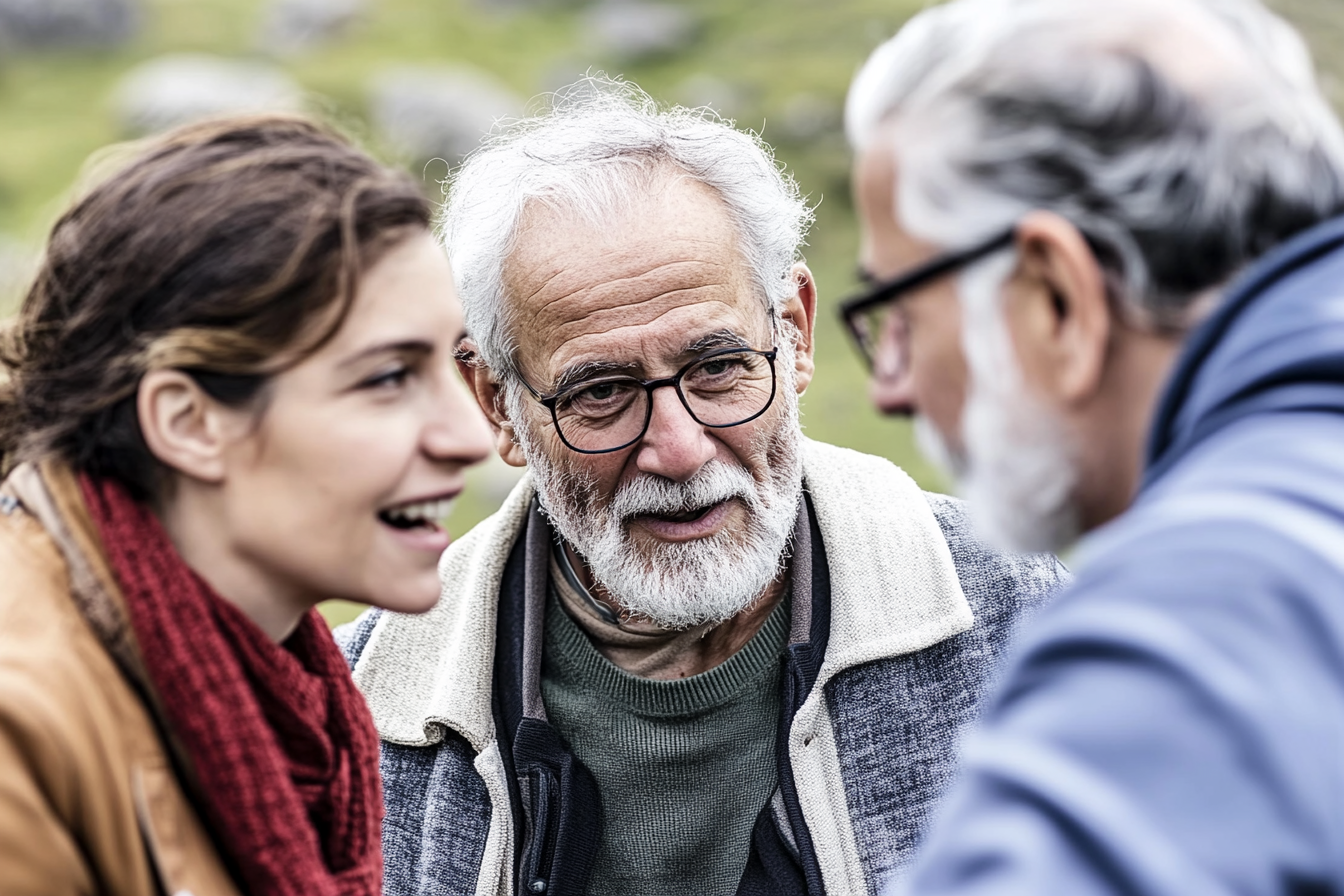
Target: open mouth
425 515
687 516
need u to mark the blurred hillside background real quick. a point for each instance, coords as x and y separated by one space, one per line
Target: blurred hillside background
417 82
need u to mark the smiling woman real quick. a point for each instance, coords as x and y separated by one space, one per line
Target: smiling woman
230 395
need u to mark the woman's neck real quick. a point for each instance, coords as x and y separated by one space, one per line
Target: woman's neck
193 523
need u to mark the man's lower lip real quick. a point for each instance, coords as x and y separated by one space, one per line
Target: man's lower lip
701 527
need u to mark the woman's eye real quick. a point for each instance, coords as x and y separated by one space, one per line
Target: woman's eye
387 379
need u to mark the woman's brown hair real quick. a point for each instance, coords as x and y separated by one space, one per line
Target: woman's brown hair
229 250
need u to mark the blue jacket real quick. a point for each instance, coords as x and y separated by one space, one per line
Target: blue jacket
1174 724
899 616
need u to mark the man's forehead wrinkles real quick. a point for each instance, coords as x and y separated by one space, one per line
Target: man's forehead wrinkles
535 306
635 336
675 298
617 293
646 279
640 342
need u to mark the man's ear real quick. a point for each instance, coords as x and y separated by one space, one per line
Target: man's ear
491 400
801 311
1058 311
183 427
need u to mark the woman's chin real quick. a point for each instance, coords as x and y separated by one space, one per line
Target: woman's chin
408 593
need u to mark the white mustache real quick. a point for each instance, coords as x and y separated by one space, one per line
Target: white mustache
716 482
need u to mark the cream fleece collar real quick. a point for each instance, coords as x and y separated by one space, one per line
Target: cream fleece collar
894 590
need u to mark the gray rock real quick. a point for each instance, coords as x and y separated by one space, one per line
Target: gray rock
810 116
563 72
38 24
179 88
295 25
630 30
727 99
511 7
438 113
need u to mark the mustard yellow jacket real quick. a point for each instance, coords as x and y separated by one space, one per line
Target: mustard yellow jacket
93 793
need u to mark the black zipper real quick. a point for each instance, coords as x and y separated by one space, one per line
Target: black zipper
539 852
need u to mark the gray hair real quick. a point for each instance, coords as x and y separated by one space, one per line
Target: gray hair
1183 138
598 147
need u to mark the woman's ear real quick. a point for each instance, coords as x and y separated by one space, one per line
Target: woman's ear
183 427
491 400
801 311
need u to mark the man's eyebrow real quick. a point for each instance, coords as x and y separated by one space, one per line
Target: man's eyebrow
399 347
717 339
867 277
590 369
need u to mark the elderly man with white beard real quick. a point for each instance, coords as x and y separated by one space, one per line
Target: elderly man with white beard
1108 246
694 652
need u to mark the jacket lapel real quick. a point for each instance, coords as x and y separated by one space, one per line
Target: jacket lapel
894 588
422 674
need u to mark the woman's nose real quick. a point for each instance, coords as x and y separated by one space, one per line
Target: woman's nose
458 430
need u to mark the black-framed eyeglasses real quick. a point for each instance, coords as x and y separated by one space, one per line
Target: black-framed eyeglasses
876 331
723 388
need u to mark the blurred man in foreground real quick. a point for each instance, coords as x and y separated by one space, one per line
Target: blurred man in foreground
671 661
1111 273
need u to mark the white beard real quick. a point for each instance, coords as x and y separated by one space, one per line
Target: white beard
685 584
1018 470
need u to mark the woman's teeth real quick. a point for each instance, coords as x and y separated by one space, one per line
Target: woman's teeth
421 513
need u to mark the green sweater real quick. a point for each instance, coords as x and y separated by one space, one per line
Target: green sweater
684 767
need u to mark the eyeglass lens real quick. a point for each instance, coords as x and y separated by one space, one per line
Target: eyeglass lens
884 338
721 390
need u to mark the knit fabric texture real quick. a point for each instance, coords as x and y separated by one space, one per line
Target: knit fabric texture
684 767
281 741
869 750
887 703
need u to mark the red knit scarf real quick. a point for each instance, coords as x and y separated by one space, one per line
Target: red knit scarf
281 740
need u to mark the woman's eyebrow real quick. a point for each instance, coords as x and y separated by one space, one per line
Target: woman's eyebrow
399 347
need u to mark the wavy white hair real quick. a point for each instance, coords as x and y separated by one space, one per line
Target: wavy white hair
598 146
1184 138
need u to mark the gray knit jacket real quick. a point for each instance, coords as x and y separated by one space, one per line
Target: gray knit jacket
920 614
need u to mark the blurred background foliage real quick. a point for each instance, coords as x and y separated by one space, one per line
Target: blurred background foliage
779 68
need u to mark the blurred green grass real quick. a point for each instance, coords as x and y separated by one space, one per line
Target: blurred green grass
55 110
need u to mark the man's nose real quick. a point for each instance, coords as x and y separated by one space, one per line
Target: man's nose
892 391
891 386
675 446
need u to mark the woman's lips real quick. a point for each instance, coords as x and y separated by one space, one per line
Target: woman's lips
422 537
703 526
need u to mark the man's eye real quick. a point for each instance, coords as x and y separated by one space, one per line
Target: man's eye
718 373
598 392
600 399
719 366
